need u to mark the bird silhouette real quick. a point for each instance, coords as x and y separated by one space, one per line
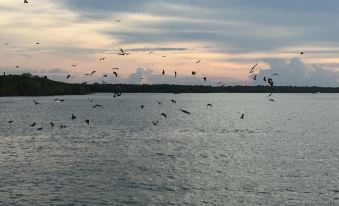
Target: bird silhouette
39 129
115 68
155 123
194 73
252 70
209 105
93 72
17 66
10 121
52 124
105 75
164 115
175 74
255 77
87 121
117 20
204 78
301 53
115 74
102 59
242 116
35 102
62 126
73 117
33 125
25 2
159 102
68 76
74 65
184 111
173 101
142 106
198 61
264 79
97 105
271 100
163 72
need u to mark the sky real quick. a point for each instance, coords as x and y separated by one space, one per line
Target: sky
228 36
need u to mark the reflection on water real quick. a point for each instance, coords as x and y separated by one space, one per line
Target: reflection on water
282 153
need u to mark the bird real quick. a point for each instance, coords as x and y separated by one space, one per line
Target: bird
37 43
204 78
115 74
194 73
35 102
105 75
52 124
163 72
275 74
73 117
142 106
115 68
164 56
184 111
159 103
10 121
271 100
25 2
87 121
255 77
59 100
102 59
93 72
198 61
155 123
17 66
270 82
74 65
164 115
68 76
39 129
264 79
252 70
242 116
33 125
62 126
175 74
97 105
270 94
173 101
301 53
209 105
117 20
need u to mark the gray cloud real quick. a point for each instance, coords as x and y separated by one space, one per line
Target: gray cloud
152 77
295 73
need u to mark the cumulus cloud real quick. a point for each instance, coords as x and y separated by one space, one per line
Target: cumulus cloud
295 73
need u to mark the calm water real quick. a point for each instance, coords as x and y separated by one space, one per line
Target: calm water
282 153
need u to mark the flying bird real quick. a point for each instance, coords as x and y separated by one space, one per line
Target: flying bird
264 79
155 123
115 68
102 59
62 126
163 72
255 77
97 105
173 101
271 100
175 74
37 43
275 74
87 121
17 66
301 53
68 76
35 102
209 105
159 103
198 61
33 125
142 106
194 73
115 74
93 72
184 111
204 78
252 70
117 20
105 75
39 129
25 2
164 115
74 65
10 121
73 117
242 116
52 124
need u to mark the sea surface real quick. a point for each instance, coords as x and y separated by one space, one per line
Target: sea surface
282 153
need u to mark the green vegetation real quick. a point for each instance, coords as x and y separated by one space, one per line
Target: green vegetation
29 85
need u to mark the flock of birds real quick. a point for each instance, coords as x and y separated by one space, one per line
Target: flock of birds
122 52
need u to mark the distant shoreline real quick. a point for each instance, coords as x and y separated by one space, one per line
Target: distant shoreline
29 85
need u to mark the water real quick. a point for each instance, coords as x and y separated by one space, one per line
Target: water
282 153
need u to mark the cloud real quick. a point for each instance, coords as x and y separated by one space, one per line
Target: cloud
149 76
295 73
